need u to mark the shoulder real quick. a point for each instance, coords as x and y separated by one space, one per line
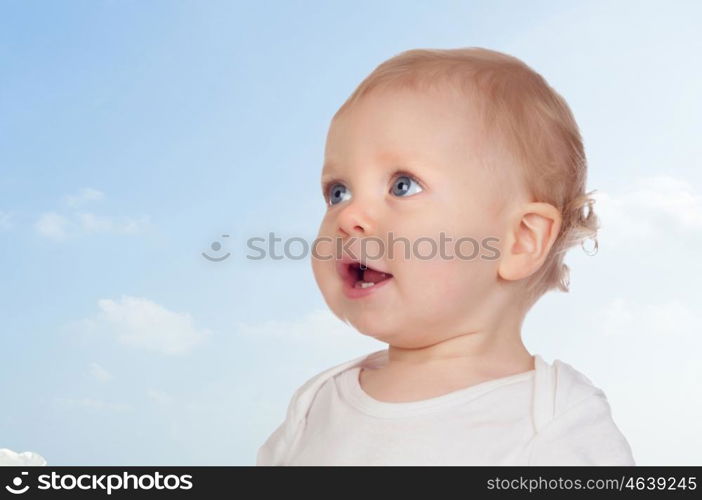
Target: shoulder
305 394
571 387
274 450
576 424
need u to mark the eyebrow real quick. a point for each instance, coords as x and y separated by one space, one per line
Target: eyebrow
329 168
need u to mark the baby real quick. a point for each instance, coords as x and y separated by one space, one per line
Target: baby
454 182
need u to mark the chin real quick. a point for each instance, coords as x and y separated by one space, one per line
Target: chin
382 329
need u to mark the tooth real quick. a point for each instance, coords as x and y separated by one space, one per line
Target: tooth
366 284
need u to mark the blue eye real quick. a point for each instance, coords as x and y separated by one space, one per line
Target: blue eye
338 193
403 185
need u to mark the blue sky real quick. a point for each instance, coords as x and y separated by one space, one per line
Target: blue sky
135 134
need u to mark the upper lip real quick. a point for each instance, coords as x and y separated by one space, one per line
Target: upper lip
346 260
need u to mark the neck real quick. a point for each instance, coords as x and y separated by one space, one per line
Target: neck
495 346
477 349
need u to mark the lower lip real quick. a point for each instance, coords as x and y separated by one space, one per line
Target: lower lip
357 293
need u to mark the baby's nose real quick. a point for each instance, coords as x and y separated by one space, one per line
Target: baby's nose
355 221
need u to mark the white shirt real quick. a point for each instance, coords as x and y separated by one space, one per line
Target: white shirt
552 415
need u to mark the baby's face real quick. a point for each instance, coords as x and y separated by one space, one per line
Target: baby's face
410 164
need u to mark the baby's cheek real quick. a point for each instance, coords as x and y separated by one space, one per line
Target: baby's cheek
440 280
323 245
324 271
431 277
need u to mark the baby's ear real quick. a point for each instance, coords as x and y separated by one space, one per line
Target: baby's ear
528 240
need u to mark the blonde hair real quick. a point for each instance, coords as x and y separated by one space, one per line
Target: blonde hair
518 107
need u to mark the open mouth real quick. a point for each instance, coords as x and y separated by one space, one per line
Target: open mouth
357 275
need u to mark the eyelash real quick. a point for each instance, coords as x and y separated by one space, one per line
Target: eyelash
399 173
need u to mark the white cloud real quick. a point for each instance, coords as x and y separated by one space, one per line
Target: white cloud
85 195
92 404
58 227
159 397
143 324
5 220
52 225
653 207
100 373
321 323
12 458
624 317
118 225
